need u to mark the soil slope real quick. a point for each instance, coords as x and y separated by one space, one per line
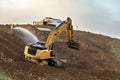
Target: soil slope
97 58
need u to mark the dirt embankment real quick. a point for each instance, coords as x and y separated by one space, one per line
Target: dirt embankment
96 59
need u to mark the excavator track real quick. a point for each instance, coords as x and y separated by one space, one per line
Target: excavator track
54 63
50 62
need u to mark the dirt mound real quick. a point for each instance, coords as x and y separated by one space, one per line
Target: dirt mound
94 61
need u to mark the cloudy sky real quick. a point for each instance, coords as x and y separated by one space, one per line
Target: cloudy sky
98 16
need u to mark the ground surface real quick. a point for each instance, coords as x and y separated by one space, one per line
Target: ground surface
97 59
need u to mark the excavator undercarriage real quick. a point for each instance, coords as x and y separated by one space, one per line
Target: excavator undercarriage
50 62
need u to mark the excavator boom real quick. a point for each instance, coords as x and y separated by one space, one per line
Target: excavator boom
64 25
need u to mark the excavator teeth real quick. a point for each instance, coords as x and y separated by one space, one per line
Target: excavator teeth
73 45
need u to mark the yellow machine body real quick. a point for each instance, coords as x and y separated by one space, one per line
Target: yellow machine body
44 51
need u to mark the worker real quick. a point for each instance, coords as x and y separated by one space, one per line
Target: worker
12 26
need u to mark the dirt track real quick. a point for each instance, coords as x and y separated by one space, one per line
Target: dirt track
94 60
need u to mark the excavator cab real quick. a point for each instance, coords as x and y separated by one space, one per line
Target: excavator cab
38 45
38 51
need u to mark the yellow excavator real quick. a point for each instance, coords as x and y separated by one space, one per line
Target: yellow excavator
39 52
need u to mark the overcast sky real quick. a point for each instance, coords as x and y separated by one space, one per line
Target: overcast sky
98 16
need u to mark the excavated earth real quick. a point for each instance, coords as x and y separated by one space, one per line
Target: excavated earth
96 59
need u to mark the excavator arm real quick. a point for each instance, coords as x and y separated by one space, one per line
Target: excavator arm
64 25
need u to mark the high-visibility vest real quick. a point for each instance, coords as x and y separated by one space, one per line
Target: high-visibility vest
11 26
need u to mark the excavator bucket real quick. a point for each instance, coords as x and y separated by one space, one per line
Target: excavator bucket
73 45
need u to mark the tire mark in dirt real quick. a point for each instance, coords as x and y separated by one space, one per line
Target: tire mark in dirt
3 43
8 38
11 43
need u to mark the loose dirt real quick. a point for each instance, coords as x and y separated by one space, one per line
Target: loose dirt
95 60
